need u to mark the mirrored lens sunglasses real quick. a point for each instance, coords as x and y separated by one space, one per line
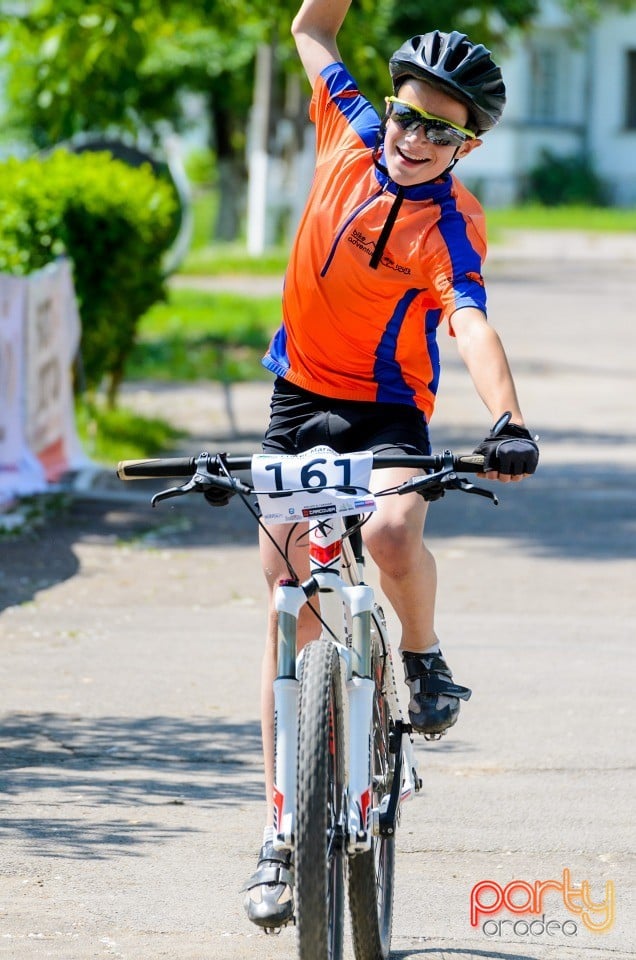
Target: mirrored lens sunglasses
442 133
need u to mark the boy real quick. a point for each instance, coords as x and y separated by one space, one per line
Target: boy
390 245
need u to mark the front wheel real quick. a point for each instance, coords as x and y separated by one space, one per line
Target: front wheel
371 874
320 841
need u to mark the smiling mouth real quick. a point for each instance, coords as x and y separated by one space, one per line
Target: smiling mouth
409 158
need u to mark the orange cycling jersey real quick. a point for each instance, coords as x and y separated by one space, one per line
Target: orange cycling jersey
352 329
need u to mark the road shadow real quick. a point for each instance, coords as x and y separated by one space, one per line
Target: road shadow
36 561
141 763
79 838
568 510
46 555
446 953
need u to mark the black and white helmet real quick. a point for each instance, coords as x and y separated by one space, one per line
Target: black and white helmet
451 63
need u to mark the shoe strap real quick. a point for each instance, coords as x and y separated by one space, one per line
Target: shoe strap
267 875
269 854
434 676
435 683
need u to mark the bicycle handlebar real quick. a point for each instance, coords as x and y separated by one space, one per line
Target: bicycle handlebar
186 466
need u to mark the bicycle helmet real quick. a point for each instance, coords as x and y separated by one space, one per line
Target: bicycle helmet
451 63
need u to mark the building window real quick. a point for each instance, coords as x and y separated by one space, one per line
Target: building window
544 98
630 103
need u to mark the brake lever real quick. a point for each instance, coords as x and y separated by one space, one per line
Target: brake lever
434 485
199 483
429 480
181 491
453 482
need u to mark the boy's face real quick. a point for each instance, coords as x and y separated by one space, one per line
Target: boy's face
409 156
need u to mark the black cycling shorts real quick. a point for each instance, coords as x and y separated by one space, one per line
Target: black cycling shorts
301 420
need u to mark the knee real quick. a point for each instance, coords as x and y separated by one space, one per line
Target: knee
395 547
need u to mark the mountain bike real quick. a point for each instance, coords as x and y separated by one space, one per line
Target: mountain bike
344 760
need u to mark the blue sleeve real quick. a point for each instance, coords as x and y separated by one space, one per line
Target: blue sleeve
338 88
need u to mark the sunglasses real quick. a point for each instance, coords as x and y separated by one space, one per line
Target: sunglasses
442 133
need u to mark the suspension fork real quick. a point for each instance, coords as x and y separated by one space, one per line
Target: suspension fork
354 648
289 598
337 597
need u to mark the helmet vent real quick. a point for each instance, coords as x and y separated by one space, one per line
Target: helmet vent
464 70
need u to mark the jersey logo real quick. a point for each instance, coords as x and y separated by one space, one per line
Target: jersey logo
358 239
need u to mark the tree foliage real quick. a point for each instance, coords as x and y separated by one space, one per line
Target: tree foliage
102 65
113 221
75 65
484 21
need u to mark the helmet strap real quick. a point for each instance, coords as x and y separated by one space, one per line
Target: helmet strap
377 149
453 162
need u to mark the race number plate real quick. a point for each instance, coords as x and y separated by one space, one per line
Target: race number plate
316 483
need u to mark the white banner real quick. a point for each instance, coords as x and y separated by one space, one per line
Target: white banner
52 339
20 472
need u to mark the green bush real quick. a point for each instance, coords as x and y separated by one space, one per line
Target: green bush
201 167
557 181
113 221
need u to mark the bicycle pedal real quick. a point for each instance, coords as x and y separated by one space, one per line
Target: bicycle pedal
275 931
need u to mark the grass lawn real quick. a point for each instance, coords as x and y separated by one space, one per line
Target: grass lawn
200 335
536 217
108 436
195 336
225 259
208 259
213 259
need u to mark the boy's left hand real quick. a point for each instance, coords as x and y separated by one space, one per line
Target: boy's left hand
510 453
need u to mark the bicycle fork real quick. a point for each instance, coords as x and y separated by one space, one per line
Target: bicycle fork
354 650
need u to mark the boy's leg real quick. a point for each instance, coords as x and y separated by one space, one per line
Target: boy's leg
269 898
408 577
394 537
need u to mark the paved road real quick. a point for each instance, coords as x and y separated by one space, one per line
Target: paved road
132 788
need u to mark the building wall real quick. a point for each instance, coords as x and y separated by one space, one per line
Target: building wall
567 92
612 144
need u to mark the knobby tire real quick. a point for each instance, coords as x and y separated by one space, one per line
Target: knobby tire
319 841
371 874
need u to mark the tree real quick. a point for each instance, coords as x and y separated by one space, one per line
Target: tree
91 65
76 67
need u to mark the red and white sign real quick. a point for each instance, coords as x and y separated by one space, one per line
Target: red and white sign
39 337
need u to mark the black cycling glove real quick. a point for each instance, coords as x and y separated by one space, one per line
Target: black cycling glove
509 449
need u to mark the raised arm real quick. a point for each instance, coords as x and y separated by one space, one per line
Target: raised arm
315 28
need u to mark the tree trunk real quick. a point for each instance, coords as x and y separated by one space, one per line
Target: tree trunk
231 180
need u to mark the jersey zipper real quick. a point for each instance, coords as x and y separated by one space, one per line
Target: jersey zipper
350 218
386 229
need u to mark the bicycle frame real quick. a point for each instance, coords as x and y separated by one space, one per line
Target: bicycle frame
348 610
342 762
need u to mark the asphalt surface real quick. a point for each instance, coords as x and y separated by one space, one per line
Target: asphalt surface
129 744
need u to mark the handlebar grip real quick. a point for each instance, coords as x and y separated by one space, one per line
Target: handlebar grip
471 463
150 469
